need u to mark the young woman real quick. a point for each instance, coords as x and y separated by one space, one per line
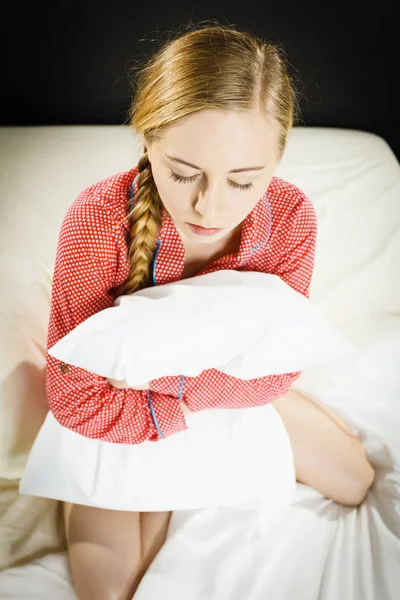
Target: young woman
215 107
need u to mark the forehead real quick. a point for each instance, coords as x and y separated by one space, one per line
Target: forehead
227 139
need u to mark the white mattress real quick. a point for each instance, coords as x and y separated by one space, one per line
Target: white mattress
314 549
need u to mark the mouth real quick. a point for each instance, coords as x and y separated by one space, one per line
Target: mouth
202 230
206 228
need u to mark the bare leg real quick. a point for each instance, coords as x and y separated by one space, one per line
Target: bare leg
328 456
104 551
154 528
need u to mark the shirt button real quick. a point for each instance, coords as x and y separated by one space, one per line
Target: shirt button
64 368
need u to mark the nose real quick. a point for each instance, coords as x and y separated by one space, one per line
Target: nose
209 205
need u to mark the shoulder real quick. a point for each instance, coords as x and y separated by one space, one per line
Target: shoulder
291 249
100 209
290 216
108 197
289 203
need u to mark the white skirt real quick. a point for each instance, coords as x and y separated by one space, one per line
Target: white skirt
225 457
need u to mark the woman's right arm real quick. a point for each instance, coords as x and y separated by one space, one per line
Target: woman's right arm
84 272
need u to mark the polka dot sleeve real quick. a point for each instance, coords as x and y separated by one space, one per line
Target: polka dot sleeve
295 263
85 266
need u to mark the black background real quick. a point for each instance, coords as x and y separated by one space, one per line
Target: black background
67 63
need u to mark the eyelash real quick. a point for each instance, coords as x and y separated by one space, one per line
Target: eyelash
181 179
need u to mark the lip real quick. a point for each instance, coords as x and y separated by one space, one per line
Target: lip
202 231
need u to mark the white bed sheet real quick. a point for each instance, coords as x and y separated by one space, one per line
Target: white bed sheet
315 549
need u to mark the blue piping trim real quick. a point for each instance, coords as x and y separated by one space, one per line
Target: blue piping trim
153 415
181 388
269 228
268 234
155 260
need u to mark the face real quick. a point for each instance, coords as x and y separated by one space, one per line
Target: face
208 193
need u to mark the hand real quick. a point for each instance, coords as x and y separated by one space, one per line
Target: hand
145 386
122 385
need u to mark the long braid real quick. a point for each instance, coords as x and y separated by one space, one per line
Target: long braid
146 217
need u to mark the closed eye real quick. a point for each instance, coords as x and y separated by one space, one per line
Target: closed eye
233 184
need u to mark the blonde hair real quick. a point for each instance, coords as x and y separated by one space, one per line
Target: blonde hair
209 67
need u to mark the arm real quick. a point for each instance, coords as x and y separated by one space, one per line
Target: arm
85 267
296 240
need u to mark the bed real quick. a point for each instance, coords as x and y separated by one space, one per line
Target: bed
312 549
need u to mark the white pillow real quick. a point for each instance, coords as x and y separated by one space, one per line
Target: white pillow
246 324
225 457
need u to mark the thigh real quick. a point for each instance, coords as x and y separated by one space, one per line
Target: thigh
154 528
328 456
104 549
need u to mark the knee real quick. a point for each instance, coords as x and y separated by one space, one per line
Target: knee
357 487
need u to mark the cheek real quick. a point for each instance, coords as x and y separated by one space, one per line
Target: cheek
175 199
242 206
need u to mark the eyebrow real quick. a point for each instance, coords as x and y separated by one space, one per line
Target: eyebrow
184 162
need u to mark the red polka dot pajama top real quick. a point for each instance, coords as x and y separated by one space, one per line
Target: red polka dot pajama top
278 236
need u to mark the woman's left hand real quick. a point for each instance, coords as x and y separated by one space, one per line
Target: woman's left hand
122 385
